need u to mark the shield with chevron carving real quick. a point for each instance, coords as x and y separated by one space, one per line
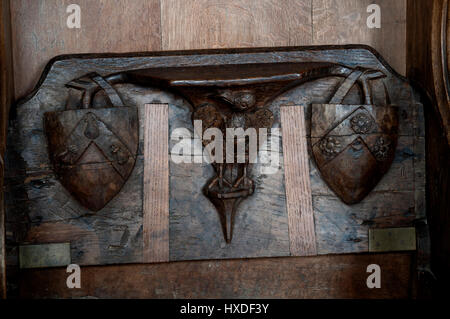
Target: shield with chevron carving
354 145
93 150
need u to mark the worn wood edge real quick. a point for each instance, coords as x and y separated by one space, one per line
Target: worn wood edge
3 250
155 221
444 53
174 53
302 235
419 161
442 100
6 101
423 21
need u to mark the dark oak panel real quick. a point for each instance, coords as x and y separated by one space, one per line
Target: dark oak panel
296 277
426 66
6 100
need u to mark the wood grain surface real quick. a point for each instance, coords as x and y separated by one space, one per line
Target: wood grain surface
6 100
40 32
345 22
293 277
302 235
204 24
156 183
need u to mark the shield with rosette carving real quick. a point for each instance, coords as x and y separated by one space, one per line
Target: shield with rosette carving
93 151
353 145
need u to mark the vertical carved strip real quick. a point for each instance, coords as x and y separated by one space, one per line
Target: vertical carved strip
156 183
298 188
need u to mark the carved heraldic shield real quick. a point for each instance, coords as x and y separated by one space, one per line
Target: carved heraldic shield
93 150
354 145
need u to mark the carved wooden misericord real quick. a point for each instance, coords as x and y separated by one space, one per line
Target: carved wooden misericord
93 150
362 134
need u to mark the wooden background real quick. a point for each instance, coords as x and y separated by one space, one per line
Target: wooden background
39 32
39 28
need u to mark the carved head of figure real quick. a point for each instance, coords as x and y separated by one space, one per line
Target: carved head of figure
241 101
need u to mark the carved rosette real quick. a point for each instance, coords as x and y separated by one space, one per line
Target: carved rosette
330 146
361 123
381 148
